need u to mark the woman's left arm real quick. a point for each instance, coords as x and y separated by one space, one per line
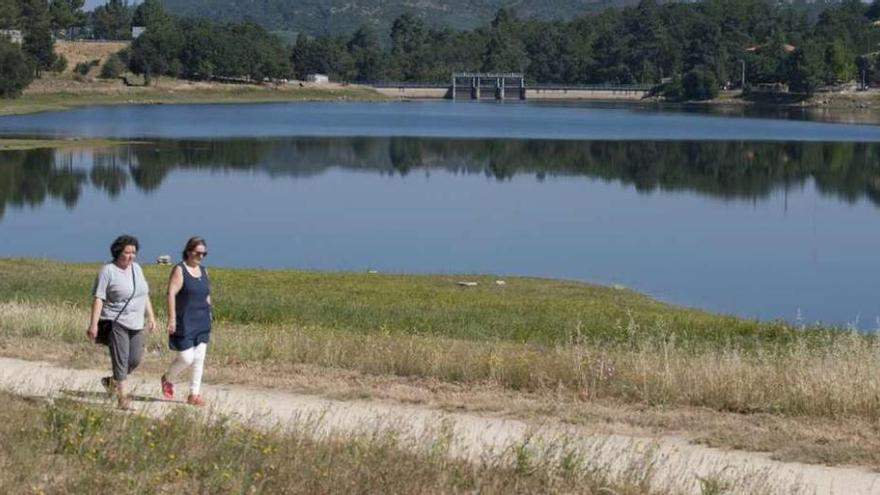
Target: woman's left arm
210 305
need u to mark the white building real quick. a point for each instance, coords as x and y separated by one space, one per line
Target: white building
317 78
14 35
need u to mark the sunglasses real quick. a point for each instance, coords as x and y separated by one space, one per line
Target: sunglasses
200 253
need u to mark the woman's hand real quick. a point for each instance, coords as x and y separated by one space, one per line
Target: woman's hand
151 324
92 332
171 327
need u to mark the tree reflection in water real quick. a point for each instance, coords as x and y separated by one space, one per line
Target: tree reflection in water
728 170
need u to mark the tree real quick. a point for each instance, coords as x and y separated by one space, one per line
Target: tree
66 14
36 27
866 72
9 13
150 13
157 52
803 70
409 47
369 62
873 12
839 62
322 55
699 84
505 51
15 70
112 21
112 68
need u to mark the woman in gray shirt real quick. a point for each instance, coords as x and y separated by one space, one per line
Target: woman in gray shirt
121 299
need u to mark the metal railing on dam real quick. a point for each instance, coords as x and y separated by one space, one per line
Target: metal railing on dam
492 88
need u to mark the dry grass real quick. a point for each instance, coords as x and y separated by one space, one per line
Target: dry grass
839 380
64 92
7 144
71 447
809 403
83 52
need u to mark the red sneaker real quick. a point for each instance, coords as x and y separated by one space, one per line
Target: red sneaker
167 388
195 400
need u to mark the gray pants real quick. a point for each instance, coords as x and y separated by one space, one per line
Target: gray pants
126 351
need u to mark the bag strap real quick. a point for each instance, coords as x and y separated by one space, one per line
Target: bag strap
133 290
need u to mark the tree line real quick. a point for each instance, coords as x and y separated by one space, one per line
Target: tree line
169 46
692 48
688 50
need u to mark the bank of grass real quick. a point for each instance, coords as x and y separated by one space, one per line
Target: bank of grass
840 379
71 447
534 335
13 144
66 100
524 310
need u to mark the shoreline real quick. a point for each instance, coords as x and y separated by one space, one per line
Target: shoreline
52 101
16 144
848 108
482 282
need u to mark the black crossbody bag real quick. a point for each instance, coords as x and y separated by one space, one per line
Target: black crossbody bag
105 327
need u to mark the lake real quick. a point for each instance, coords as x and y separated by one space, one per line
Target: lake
755 216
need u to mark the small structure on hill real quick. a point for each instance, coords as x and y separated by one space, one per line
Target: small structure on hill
137 31
14 35
317 78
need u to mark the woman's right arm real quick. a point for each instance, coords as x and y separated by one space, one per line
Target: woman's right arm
97 306
175 282
99 293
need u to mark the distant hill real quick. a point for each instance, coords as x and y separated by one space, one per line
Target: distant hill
320 17
345 16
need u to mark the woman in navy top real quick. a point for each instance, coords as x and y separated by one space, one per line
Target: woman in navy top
189 319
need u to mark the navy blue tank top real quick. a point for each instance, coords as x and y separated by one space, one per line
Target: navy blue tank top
193 310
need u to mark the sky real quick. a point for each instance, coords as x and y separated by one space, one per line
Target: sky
91 4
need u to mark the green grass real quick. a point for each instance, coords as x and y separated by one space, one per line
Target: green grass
525 310
534 335
30 144
71 447
33 103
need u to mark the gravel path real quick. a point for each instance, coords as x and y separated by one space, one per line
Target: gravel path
676 464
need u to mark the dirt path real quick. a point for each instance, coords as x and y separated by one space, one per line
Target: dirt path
677 464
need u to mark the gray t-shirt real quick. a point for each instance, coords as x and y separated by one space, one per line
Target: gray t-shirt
114 286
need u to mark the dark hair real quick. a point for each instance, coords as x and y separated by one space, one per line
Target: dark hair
119 244
191 244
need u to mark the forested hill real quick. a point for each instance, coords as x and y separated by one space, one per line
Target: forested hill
334 17
319 17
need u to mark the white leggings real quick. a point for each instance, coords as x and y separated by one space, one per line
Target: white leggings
194 356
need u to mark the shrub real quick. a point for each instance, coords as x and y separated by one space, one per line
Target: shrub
15 70
59 65
113 68
83 68
699 84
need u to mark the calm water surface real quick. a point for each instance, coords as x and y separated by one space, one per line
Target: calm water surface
759 217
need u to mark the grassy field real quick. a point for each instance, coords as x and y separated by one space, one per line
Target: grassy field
533 346
70 447
9 144
73 98
524 310
529 334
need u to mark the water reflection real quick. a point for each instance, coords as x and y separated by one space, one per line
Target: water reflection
724 170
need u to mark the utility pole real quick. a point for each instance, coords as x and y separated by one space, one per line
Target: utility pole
742 83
